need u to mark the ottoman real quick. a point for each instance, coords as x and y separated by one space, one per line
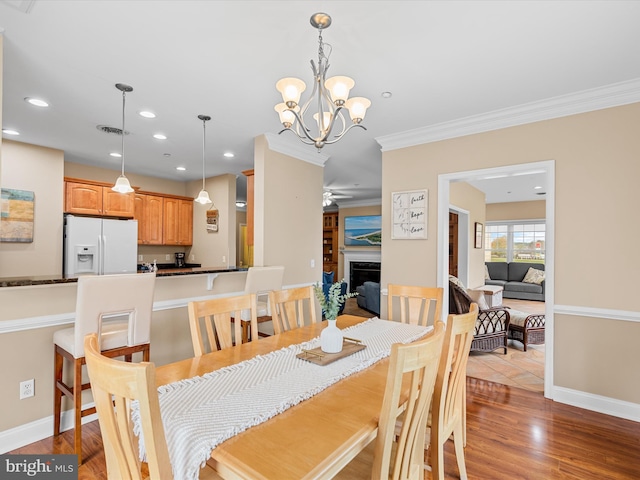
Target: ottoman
526 328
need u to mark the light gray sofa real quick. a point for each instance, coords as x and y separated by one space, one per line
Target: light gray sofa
369 297
510 275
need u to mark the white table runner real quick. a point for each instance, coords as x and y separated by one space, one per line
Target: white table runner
201 412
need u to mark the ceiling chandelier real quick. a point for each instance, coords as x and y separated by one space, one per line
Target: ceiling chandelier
122 183
329 97
203 196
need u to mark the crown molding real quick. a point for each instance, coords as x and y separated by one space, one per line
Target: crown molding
303 152
613 95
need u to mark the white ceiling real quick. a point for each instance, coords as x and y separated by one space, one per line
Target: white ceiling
442 61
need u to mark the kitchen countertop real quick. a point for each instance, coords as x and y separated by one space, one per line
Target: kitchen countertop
59 279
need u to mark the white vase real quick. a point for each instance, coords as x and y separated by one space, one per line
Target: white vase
331 338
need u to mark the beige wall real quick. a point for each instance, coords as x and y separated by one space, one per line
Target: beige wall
353 212
40 170
534 210
1 90
472 200
288 214
596 197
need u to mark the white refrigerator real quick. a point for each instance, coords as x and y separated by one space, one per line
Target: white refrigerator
99 246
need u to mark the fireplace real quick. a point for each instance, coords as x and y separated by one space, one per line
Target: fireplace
363 272
367 267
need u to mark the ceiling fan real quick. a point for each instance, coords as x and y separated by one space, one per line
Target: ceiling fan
328 197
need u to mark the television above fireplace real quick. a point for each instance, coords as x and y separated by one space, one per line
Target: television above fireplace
363 231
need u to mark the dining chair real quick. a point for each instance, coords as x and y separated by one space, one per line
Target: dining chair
116 307
216 315
414 305
260 281
290 308
448 410
115 385
399 453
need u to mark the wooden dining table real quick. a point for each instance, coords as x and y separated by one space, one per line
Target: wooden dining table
312 440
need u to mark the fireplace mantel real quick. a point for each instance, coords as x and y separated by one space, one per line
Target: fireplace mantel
358 256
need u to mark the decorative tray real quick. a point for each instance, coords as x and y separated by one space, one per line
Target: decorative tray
317 356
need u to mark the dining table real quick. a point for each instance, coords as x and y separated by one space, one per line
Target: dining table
313 439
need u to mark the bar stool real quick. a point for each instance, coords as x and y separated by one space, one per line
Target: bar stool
101 303
260 281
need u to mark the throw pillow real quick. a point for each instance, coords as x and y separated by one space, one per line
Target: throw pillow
534 276
486 273
456 281
478 297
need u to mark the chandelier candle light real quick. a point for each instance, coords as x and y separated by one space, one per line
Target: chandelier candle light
329 96
203 196
122 183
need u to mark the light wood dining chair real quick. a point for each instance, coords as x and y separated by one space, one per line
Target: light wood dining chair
414 305
448 410
118 308
290 308
216 316
115 385
260 281
415 364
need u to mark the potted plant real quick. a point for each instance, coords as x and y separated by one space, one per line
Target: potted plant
331 337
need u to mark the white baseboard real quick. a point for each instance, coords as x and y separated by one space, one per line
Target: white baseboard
38 430
597 403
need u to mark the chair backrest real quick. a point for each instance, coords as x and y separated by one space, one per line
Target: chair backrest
216 314
459 300
101 296
449 395
417 365
115 384
290 308
416 305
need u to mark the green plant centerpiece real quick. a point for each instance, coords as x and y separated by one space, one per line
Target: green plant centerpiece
331 302
331 337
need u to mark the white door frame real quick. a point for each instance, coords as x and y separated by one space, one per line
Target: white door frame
547 167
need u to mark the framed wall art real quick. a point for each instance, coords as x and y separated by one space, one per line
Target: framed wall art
16 215
478 242
409 215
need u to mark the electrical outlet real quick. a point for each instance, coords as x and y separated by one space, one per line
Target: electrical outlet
27 389
168 256
224 259
312 263
140 258
193 257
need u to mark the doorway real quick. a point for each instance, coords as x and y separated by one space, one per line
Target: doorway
546 167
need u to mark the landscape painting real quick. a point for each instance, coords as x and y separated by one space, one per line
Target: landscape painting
363 231
16 215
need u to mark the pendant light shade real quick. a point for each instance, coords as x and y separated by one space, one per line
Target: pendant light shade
122 183
203 196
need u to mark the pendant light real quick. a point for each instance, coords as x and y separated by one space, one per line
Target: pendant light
122 183
203 196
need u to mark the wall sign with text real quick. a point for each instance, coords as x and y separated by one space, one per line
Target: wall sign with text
409 215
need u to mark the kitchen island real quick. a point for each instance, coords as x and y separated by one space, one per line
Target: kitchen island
33 308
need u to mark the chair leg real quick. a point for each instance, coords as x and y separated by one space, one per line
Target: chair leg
58 361
77 407
459 448
437 455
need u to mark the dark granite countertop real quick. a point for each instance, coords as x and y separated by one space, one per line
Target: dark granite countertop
58 279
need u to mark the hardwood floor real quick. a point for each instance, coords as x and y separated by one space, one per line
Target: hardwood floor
512 433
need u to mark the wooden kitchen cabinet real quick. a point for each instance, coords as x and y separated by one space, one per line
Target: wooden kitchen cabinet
177 221
149 211
98 199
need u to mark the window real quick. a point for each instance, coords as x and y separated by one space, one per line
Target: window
514 241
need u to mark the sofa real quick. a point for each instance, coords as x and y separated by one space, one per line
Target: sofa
327 281
369 297
510 276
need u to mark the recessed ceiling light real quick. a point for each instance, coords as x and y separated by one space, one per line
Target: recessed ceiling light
229 154
147 114
115 154
166 154
386 94
36 101
538 187
160 136
8 131
240 204
182 169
